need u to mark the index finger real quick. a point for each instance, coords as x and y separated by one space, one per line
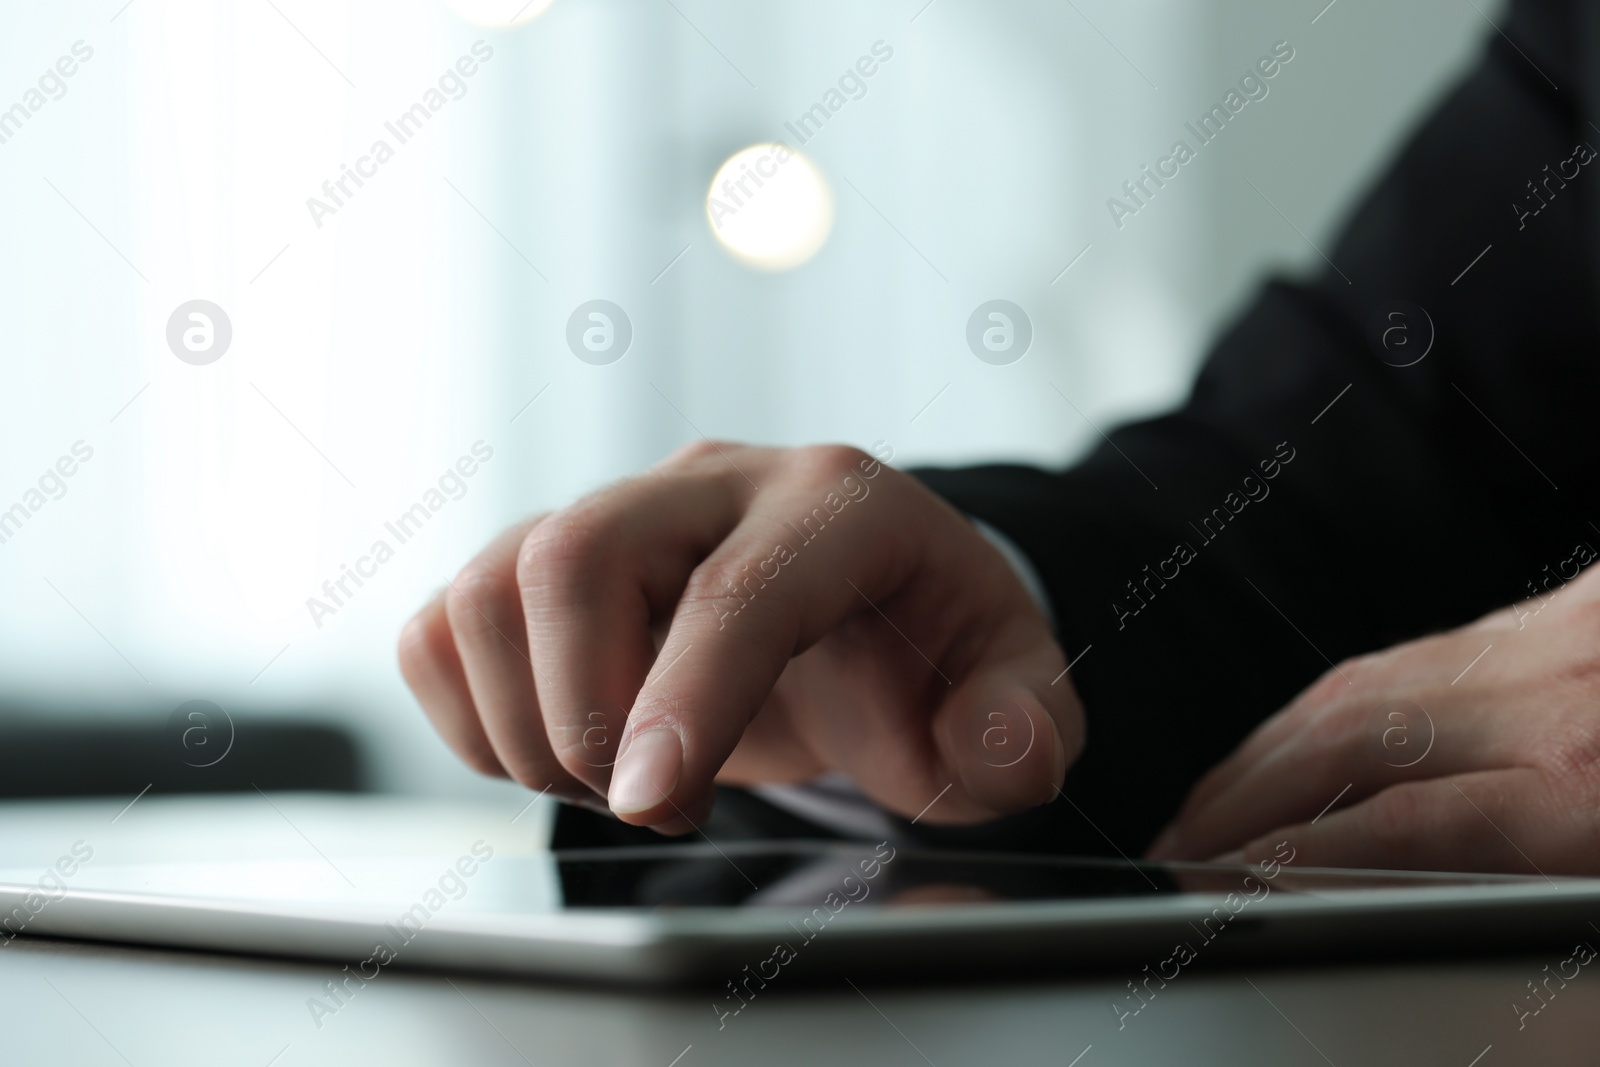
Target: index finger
773 587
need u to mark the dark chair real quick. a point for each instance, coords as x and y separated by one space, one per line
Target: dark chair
194 749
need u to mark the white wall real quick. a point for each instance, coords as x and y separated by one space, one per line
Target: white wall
420 318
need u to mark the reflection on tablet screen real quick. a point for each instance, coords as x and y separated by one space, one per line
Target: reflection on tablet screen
804 875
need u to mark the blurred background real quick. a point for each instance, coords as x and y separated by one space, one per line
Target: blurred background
376 336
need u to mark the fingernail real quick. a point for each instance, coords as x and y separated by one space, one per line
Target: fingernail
1235 857
647 772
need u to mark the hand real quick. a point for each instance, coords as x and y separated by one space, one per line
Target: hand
684 626
1434 755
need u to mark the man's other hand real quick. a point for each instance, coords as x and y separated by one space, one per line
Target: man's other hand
1477 749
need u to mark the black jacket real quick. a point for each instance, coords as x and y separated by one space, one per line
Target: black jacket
1315 500
1423 497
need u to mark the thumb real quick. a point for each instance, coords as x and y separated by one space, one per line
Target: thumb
1012 727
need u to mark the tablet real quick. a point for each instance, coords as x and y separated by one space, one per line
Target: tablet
740 913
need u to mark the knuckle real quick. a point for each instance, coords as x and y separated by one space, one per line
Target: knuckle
710 587
473 597
719 588
562 550
829 463
476 582
712 579
697 452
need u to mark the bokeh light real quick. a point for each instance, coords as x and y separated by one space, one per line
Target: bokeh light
770 206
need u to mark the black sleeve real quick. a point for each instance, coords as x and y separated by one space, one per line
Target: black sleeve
1312 501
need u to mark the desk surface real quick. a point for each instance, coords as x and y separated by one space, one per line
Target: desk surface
87 1004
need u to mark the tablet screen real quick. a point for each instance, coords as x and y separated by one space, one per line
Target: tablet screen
793 875
804 874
